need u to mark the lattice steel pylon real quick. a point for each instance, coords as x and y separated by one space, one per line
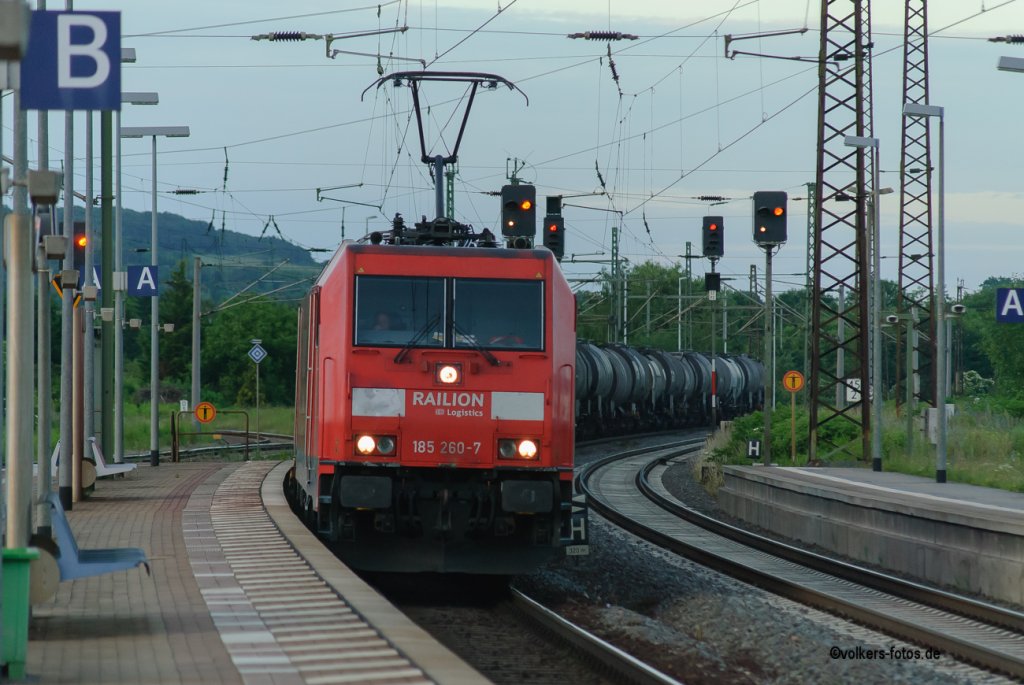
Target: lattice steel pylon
916 286
840 324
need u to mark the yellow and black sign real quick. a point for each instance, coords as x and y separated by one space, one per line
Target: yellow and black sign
205 412
793 381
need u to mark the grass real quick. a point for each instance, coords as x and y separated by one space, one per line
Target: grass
137 424
985 445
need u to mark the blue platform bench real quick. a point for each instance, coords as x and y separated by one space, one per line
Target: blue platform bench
83 563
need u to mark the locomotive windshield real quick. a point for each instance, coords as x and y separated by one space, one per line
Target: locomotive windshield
453 312
395 311
498 314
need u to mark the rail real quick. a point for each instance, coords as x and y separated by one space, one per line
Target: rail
974 631
623 664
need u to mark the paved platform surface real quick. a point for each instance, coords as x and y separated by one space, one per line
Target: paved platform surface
232 597
128 627
887 482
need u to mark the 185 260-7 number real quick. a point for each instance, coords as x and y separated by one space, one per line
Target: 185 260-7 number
445 447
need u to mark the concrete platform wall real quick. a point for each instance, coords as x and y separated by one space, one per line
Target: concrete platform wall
964 548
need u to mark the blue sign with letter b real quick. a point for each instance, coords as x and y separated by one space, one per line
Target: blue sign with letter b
73 61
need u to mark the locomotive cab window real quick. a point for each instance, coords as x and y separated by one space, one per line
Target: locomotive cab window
498 314
399 311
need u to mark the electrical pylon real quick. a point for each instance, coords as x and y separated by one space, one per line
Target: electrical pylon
839 417
916 286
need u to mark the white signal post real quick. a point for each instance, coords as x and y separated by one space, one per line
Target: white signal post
257 354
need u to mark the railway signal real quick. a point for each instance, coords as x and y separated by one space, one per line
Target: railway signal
554 235
518 210
770 217
712 283
80 241
713 235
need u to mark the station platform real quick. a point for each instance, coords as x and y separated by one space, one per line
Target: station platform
240 592
963 537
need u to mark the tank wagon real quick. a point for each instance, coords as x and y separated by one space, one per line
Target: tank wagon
622 389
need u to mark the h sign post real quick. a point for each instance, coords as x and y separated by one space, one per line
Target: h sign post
73 61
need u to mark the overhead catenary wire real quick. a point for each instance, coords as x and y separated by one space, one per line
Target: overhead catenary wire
249 22
621 192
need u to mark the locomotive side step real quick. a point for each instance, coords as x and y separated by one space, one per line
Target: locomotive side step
323 519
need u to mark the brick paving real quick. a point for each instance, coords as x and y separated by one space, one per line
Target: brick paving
237 594
127 627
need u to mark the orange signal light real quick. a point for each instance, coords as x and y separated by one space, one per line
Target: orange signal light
525 205
778 211
81 240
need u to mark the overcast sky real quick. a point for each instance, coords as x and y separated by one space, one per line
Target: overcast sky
688 121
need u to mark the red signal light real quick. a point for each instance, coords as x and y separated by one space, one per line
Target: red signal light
552 227
778 211
712 227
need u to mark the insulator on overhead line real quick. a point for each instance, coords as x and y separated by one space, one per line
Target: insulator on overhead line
1014 39
288 35
711 198
184 191
603 35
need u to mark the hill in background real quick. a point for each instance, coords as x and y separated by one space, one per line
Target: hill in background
231 260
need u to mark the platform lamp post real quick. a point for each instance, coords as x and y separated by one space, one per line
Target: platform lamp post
1005 64
154 349
911 109
127 98
876 303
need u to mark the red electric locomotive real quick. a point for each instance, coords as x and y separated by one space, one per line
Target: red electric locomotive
434 406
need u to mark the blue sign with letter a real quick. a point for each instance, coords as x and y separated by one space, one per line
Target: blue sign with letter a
142 281
1010 305
73 61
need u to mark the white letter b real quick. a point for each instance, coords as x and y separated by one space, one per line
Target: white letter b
66 50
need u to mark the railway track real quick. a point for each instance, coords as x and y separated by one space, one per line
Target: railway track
973 631
494 628
511 638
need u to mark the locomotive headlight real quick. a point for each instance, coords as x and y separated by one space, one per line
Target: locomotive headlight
385 444
448 374
527 449
366 444
506 449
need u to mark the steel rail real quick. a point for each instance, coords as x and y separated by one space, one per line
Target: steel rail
883 582
801 587
623 664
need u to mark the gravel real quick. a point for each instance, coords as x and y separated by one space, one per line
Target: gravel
700 626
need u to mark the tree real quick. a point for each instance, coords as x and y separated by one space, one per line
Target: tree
227 369
176 308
